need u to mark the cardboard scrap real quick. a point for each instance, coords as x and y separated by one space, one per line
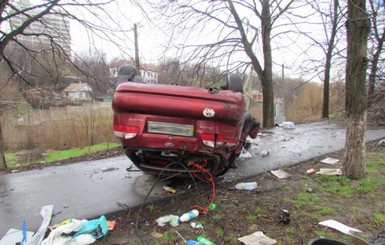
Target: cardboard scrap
330 171
330 160
257 238
339 227
280 174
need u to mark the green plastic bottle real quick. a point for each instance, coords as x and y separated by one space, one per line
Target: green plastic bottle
204 241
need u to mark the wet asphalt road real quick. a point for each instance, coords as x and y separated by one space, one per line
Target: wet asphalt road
90 189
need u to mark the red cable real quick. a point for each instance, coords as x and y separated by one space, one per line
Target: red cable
208 179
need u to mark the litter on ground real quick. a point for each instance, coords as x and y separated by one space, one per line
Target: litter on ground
280 174
330 171
330 160
339 227
257 238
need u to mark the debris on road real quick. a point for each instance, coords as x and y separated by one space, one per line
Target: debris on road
265 153
287 125
105 169
339 227
14 236
245 154
46 213
330 160
382 142
280 174
257 238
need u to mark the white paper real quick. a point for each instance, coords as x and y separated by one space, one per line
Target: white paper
339 226
257 238
280 174
330 160
330 171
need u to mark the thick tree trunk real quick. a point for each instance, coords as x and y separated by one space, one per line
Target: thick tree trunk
358 27
354 167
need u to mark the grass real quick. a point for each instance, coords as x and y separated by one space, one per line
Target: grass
11 158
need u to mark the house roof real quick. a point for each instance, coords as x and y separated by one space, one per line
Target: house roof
78 87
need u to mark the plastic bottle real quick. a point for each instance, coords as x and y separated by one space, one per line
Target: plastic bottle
189 216
246 186
204 241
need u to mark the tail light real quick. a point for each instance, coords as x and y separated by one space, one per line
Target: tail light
125 132
212 140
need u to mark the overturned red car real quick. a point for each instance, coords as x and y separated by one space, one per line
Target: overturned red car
170 129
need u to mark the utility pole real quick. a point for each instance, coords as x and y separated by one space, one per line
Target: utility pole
137 63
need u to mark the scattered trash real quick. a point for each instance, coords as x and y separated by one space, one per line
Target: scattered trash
382 142
169 189
162 221
46 213
287 125
339 226
246 186
212 207
196 225
104 169
285 217
204 241
189 216
14 236
111 224
330 171
280 174
330 160
311 171
156 235
245 154
73 231
257 238
265 153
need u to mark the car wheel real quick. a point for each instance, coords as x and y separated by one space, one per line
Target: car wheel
234 82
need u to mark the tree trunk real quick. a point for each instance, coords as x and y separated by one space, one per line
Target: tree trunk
354 167
329 56
3 163
267 79
358 27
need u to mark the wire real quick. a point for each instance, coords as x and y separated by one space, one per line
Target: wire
210 180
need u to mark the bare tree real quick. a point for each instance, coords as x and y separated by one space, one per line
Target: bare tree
377 39
21 20
234 34
330 16
358 27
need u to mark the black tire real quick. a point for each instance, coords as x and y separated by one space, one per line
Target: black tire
234 82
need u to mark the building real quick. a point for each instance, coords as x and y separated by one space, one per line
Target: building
78 92
149 73
37 35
